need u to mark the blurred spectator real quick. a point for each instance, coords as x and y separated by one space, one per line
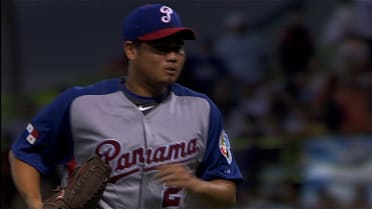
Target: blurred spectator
354 99
338 23
325 107
267 110
272 196
349 17
245 120
361 197
243 50
362 24
336 171
204 69
225 95
353 95
206 72
352 57
296 48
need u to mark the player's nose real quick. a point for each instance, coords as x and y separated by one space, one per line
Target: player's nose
172 56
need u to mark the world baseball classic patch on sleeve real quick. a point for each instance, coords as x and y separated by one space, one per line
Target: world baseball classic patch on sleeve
225 147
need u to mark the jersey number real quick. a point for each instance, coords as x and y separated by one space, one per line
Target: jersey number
171 198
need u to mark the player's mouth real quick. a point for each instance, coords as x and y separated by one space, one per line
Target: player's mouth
170 70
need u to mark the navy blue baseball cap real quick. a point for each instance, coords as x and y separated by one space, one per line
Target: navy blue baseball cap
152 22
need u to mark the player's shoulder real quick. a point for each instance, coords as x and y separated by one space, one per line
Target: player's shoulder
180 90
99 88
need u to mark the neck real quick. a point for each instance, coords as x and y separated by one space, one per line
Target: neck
144 89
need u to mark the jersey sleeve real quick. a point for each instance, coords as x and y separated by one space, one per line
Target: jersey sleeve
46 140
218 161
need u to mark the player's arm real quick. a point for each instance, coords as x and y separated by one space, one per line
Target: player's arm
42 139
27 181
217 193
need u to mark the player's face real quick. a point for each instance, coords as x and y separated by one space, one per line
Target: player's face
159 62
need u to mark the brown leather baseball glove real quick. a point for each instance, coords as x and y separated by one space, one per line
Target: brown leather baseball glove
84 188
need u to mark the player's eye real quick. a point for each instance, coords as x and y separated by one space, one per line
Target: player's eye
165 49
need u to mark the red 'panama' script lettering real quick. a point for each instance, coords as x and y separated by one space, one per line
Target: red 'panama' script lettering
129 162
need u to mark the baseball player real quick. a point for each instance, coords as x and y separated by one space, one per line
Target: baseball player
165 143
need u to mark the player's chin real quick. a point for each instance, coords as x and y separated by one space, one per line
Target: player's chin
169 79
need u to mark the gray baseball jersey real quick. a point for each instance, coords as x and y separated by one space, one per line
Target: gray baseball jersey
185 127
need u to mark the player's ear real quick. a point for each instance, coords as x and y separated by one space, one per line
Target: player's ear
130 49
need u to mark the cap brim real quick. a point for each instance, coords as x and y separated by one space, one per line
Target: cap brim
184 33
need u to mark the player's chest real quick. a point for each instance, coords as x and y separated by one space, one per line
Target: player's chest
129 124
129 139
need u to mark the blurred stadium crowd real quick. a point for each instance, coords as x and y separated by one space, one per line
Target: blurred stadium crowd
299 119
